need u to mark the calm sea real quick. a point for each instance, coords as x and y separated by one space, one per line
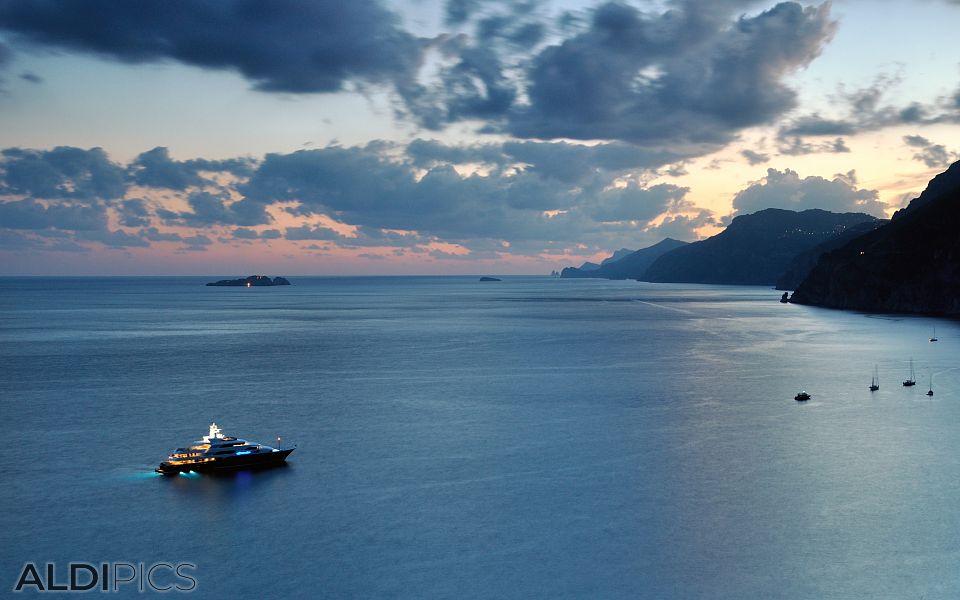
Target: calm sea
530 438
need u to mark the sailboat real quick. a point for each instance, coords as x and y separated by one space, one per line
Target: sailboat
930 391
875 382
934 338
913 378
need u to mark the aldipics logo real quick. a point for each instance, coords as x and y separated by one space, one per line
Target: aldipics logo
107 577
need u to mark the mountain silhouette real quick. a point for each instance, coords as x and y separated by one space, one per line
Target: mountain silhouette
911 264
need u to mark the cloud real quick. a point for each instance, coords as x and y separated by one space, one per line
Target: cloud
634 203
683 76
755 158
933 155
30 214
210 209
374 188
578 163
61 173
282 46
797 146
154 235
6 55
133 213
31 77
315 232
426 153
680 227
785 189
113 239
862 110
155 168
196 243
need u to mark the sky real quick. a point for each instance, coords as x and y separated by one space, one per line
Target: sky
325 137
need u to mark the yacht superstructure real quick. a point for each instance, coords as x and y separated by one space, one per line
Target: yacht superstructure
215 452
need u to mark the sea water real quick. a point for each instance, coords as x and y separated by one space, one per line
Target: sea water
529 438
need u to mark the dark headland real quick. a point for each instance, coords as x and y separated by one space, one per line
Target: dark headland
489 279
251 281
909 265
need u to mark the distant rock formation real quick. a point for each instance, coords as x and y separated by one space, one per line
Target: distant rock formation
911 264
624 266
251 281
754 249
489 279
804 262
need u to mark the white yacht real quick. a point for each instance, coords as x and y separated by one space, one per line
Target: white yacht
216 452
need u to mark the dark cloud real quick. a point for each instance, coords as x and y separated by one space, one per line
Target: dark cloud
679 76
31 77
30 214
368 236
196 243
61 173
17 241
133 213
475 87
536 195
245 234
155 168
457 12
364 187
210 209
281 46
680 227
315 232
785 189
577 162
426 153
797 146
155 235
6 55
113 239
933 155
864 110
634 203
755 158
816 125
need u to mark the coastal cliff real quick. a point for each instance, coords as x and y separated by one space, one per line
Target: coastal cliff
910 265
755 249
624 264
804 262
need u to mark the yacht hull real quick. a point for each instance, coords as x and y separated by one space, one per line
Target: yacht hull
228 463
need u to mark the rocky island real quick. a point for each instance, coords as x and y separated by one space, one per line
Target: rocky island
251 281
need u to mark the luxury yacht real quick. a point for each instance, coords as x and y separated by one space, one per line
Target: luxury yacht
217 452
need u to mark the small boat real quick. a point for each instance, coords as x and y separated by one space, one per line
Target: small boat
930 391
218 452
934 337
913 378
875 382
802 397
